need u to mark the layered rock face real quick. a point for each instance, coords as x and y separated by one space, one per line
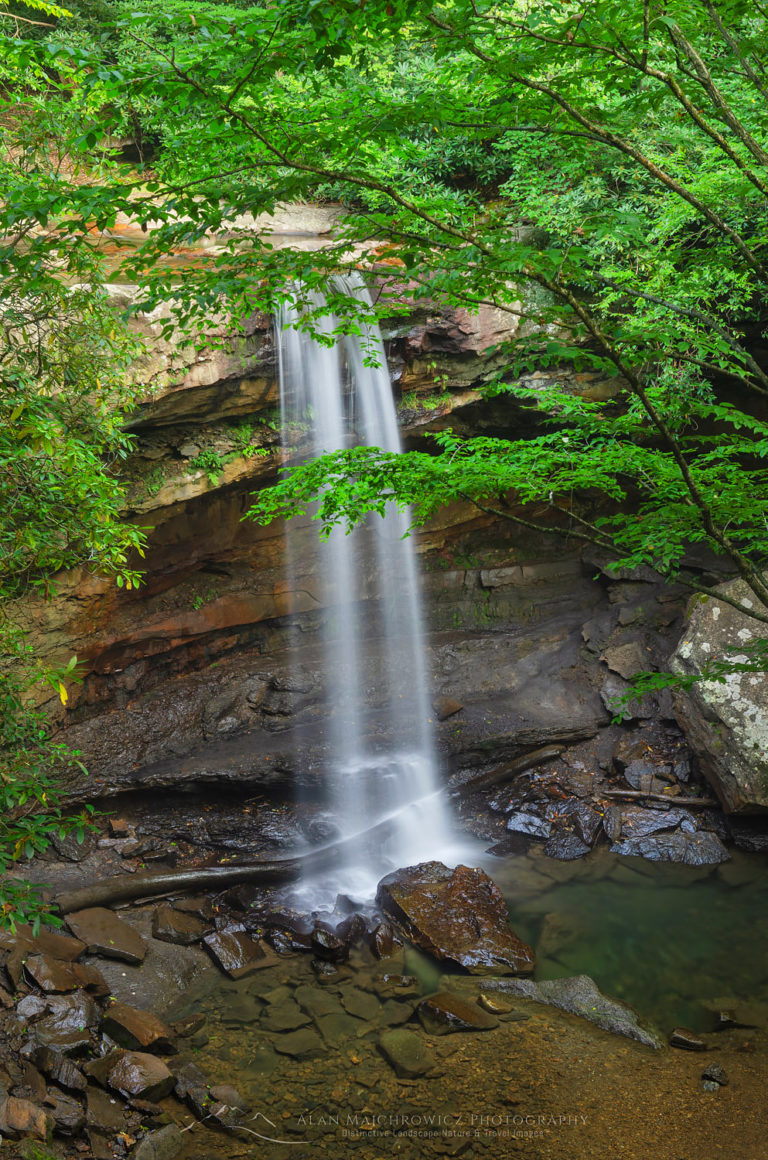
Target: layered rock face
192 679
726 721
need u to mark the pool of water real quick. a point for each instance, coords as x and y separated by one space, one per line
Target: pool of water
672 941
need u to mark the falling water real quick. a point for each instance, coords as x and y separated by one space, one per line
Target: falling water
382 760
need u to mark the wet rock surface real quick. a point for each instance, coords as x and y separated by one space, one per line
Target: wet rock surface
444 1013
106 934
457 915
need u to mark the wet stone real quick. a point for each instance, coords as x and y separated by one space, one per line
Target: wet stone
191 1087
189 1025
67 1112
23 1118
50 974
68 1023
138 1030
686 1040
696 849
456 915
383 941
104 1113
444 1013
359 1003
100 1067
138 1074
164 1144
327 944
174 926
59 1069
407 1053
336 1027
612 823
199 906
236 953
585 822
106 934
46 942
70 848
529 824
303 1044
316 1001
285 1016
352 930
91 980
565 846
636 822
715 1073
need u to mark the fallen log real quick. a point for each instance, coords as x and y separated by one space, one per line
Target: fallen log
678 800
511 769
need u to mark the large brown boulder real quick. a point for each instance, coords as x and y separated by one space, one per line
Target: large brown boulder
459 916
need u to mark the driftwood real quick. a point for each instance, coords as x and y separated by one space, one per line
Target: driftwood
511 769
696 803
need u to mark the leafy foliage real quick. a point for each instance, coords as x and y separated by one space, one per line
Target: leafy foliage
63 401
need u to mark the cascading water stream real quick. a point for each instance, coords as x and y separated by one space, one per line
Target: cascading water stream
377 705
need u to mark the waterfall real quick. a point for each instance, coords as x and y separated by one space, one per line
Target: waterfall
376 700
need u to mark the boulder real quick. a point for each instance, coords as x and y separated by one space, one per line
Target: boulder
459 916
700 849
726 722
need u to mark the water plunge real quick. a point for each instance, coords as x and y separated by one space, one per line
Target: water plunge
376 698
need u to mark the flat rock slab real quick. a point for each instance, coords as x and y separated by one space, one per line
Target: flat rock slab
285 1016
359 1003
106 934
407 1053
456 915
302 1044
46 942
138 1030
444 1013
